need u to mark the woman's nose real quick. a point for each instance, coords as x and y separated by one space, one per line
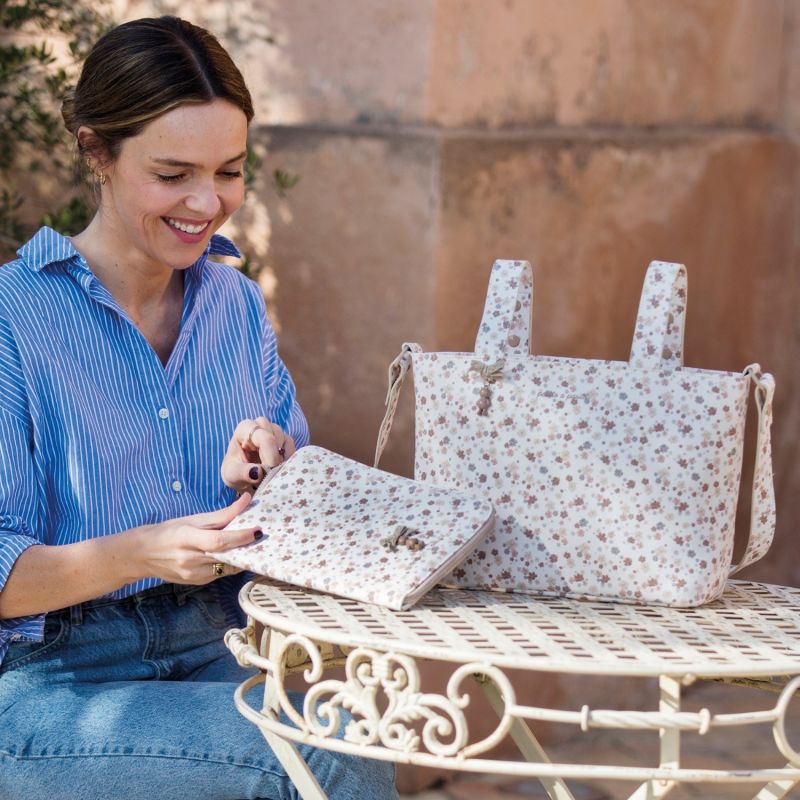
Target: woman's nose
204 200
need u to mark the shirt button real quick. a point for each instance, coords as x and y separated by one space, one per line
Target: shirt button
163 413
176 486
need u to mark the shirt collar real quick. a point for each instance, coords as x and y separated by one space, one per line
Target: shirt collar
222 246
48 247
45 248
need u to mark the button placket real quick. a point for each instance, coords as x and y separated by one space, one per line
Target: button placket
173 464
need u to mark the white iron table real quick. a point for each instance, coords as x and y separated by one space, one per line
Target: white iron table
750 637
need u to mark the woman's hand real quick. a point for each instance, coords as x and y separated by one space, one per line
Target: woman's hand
256 446
177 550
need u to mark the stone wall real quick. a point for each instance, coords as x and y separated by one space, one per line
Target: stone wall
589 137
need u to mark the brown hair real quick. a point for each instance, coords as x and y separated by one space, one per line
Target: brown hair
142 69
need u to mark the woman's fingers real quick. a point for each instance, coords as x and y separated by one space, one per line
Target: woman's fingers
218 541
269 441
221 517
177 550
284 444
240 474
256 446
288 447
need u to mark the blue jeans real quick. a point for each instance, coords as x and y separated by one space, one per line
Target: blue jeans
133 700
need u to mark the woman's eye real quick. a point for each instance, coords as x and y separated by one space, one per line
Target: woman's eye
169 178
231 175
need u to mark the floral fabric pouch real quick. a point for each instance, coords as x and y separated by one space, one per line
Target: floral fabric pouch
338 526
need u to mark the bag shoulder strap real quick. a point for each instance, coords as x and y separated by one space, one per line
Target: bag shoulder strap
658 342
762 501
398 370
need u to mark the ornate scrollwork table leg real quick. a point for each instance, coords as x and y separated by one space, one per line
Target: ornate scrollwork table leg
242 645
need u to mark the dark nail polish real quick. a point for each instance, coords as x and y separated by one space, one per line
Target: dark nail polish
254 473
258 535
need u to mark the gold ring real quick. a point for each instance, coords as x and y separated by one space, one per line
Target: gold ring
217 569
249 439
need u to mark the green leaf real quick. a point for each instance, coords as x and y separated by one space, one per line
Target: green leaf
284 181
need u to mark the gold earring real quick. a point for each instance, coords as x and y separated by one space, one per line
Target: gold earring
101 178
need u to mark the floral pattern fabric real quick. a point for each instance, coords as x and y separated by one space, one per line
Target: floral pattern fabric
326 520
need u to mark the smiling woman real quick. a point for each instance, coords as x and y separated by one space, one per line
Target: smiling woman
157 208
140 390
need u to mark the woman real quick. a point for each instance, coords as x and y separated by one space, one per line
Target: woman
127 358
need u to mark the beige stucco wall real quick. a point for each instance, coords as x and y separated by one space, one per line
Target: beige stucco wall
613 62
588 136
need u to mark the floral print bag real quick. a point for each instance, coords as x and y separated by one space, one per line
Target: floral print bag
338 526
611 480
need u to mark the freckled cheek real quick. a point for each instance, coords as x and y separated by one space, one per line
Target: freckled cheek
232 198
155 202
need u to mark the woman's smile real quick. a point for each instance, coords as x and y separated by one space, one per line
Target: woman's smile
190 232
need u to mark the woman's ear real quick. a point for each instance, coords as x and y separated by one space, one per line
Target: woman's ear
93 150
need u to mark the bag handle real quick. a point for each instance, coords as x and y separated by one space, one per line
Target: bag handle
762 499
660 323
506 323
505 328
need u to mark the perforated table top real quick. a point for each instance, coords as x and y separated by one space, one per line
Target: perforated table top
752 631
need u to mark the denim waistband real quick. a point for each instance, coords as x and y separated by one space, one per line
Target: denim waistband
179 591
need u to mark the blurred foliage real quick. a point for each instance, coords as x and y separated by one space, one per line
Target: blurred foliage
32 136
251 166
283 181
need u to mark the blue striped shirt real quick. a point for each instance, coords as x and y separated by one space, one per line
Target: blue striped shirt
96 434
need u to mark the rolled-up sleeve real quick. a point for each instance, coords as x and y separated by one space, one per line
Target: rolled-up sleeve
19 495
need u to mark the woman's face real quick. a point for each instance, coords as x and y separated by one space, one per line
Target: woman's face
174 184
